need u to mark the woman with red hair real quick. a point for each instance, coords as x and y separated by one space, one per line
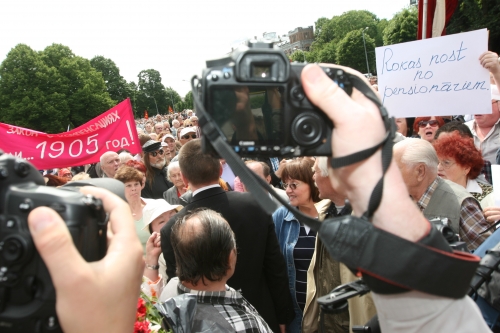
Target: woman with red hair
461 162
426 127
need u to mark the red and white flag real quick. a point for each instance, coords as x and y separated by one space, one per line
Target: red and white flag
438 15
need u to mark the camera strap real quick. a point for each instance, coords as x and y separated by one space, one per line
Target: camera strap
345 237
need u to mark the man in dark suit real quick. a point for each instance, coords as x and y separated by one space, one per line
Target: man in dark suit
260 273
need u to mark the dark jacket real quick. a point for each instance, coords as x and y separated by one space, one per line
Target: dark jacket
159 185
260 273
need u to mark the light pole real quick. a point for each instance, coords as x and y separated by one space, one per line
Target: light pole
157 113
366 54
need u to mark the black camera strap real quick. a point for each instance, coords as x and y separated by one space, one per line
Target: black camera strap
386 246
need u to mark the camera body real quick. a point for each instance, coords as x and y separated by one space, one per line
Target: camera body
255 98
27 296
442 225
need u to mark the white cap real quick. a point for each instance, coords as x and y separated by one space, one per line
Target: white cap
155 208
187 130
163 143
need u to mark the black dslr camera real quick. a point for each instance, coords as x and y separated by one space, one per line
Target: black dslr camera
27 296
256 99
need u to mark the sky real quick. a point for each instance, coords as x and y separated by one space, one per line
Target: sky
173 37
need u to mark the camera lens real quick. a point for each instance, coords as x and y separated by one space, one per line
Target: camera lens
307 129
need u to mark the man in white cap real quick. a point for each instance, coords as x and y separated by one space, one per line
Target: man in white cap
486 128
168 141
187 134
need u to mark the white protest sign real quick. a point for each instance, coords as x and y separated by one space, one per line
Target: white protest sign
435 77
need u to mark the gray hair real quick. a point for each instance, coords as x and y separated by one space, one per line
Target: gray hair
175 121
171 166
322 165
418 151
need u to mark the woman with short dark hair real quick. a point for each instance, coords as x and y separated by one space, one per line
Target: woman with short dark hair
296 240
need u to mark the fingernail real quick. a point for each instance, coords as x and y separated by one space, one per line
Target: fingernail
41 220
313 75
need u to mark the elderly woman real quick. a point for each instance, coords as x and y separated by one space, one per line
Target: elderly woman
155 215
297 240
461 162
134 182
426 127
173 194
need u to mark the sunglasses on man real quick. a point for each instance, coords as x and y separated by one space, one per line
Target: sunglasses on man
187 136
155 153
424 123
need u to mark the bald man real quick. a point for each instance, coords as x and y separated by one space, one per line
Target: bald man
110 162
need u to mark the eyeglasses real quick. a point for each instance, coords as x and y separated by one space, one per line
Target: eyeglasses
155 153
293 186
187 136
424 123
446 164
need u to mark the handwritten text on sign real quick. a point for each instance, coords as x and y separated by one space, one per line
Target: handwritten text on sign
435 77
112 130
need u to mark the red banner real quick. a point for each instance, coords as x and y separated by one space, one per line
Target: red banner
110 131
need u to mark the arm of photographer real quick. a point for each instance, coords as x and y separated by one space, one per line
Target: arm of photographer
410 311
85 302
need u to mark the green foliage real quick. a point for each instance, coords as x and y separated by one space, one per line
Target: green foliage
402 27
351 52
187 103
117 87
299 56
174 100
355 20
477 14
151 93
330 37
50 89
328 53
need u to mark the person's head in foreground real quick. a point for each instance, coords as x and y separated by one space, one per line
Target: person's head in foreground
204 248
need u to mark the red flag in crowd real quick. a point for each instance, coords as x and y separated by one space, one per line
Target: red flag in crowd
439 13
170 109
146 116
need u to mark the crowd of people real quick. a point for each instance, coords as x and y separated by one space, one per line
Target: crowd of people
202 234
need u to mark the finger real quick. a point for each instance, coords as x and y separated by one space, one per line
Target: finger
55 245
327 95
122 225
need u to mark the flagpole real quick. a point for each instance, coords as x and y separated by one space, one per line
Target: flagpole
424 20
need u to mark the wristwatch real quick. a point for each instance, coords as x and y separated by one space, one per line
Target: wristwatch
153 267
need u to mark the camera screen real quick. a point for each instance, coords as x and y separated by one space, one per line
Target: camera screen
249 115
262 71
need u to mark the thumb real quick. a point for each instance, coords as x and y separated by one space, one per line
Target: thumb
54 243
326 94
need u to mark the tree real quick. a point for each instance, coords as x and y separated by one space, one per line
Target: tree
328 54
151 93
477 14
299 56
117 87
402 27
173 99
187 103
355 20
50 89
351 52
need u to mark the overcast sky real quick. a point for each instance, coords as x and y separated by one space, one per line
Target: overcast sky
173 37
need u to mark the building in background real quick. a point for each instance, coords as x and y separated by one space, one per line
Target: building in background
299 39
